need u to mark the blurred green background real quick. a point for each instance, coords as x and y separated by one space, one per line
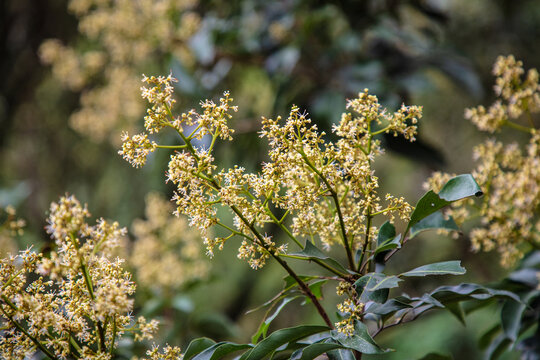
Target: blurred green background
270 55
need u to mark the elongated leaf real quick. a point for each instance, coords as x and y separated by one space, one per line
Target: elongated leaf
362 284
461 292
196 346
433 221
511 314
281 337
312 351
310 251
457 188
440 268
460 187
263 328
219 350
386 232
389 307
390 244
457 310
360 341
377 281
340 354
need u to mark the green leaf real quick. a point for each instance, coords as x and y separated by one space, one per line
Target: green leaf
460 187
360 341
390 244
498 347
316 289
281 337
310 251
391 306
511 314
263 328
489 336
386 232
219 350
369 280
197 346
457 188
340 354
433 221
377 281
457 311
440 268
290 282
313 350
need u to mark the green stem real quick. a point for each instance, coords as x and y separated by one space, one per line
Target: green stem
23 330
171 146
518 127
338 208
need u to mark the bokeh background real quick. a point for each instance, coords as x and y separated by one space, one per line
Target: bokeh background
71 74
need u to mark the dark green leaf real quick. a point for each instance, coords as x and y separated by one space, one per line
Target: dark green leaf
511 314
394 243
441 268
498 347
457 188
377 281
362 286
312 252
312 351
461 292
388 307
360 341
433 221
219 350
197 346
460 187
281 337
386 232
488 337
340 354
457 311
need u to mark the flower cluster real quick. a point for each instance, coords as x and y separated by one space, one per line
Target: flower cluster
166 253
75 302
120 37
516 96
351 308
328 189
10 226
509 174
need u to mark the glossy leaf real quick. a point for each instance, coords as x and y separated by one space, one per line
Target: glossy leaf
219 350
197 346
386 232
281 337
431 222
313 350
457 188
361 340
440 268
310 251
365 295
340 354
